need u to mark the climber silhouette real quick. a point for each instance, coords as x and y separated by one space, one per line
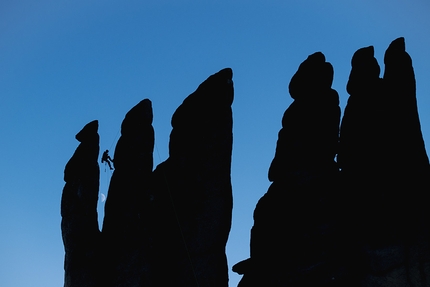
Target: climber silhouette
106 158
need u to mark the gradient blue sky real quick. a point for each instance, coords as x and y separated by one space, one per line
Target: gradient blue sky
65 63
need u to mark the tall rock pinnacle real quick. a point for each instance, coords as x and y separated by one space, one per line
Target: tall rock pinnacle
123 225
192 194
294 237
79 226
167 227
385 171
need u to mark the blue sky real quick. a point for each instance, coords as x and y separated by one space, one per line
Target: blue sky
66 63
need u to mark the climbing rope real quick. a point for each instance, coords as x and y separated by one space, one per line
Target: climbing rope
115 139
109 173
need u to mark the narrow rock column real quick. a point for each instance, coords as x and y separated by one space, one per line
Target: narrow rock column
79 226
125 250
192 193
385 171
294 240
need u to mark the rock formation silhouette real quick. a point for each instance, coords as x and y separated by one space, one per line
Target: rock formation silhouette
192 194
167 227
364 222
79 226
125 219
385 170
360 221
293 240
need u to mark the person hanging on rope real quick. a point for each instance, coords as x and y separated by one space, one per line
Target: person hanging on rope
106 158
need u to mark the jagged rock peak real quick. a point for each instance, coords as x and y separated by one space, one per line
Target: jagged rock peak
214 87
396 46
362 54
398 68
286 251
136 143
125 204
365 68
309 135
313 76
79 226
85 156
88 132
192 190
139 115
364 59
215 91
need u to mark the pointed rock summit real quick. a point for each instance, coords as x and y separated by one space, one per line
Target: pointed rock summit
192 194
347 206
167 227
79 226
293 240
308 139
125 210
385 171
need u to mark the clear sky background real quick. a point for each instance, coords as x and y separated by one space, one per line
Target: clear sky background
65 63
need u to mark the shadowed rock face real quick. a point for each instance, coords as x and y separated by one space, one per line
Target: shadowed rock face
293 239
124 222
365 109
405 129
192 196
308 139
367 225
163 228
385 170
79 226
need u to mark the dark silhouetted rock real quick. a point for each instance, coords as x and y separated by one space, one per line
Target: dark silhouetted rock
308 139
363 226
294 240
385 171
123 225
79 226
191 194
163 228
